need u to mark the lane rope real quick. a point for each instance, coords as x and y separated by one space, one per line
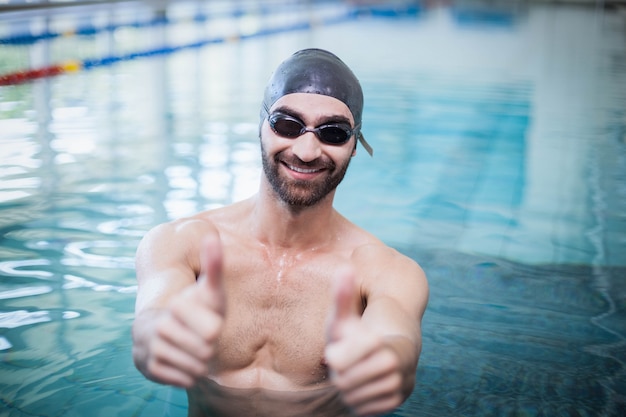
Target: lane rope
72 66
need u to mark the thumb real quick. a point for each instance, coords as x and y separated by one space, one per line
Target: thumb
210 283
345 296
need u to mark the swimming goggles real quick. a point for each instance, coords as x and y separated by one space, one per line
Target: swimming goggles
330 133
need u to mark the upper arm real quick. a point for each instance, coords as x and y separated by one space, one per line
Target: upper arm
167 260
396 293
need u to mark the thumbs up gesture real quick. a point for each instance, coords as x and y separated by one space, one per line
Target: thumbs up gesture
365 370
174 344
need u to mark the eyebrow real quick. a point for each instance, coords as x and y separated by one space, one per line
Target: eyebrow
325 120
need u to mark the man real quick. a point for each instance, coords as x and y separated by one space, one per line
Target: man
278 305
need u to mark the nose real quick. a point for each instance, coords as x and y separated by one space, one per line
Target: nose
307 147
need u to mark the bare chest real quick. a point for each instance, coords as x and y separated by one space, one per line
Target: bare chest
276 313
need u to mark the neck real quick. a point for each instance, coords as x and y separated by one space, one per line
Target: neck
276 223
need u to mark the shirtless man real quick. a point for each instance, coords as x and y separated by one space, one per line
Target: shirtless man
278 305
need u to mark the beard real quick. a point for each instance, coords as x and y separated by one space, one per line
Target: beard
300 193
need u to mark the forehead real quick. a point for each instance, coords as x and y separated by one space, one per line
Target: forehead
314 106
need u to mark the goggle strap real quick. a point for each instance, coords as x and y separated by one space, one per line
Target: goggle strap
366 145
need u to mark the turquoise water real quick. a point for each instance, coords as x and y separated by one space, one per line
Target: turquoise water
499 165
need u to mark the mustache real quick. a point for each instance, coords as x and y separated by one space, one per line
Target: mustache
319 163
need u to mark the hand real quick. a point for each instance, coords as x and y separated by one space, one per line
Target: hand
364 369
185 334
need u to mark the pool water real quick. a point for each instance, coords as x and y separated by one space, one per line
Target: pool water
499 138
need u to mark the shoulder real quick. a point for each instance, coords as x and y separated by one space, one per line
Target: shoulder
372 257
378 258
192 229
384 272
175 243
180 240
177 232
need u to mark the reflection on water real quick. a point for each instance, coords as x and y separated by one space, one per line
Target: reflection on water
499 161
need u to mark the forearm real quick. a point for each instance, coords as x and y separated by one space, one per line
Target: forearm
143 330
407 353
398 332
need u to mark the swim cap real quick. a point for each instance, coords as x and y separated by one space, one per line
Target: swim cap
316 71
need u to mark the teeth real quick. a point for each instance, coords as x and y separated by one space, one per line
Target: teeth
302 170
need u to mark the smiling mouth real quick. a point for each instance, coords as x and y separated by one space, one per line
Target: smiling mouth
303 170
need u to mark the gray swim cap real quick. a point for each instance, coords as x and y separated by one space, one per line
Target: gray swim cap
316 71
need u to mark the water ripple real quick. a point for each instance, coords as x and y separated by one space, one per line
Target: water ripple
11 268
84 258
72 282
25 292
